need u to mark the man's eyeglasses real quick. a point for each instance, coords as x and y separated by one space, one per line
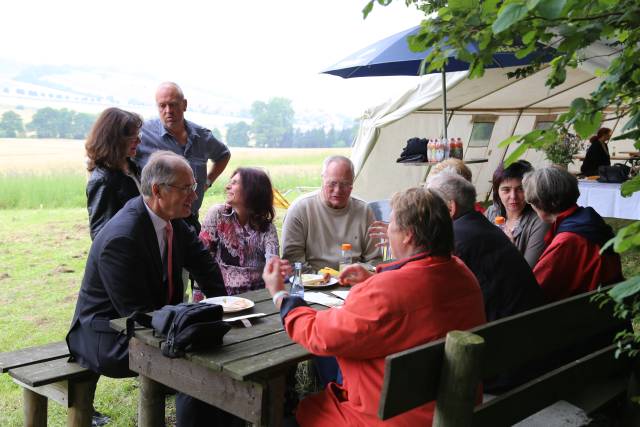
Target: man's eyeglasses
338 184
186 189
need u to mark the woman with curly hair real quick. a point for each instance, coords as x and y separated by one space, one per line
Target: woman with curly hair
240 233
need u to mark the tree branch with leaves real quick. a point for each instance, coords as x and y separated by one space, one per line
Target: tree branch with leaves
571 28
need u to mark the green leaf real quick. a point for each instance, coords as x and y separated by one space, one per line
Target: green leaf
509 140
367 9
531 4
586 126
551 9
516 154
489 7
461 5
509 15
625 289
631 186
634 134
579 104
529 37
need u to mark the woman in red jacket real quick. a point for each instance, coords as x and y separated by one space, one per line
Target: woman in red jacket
571 262
418 298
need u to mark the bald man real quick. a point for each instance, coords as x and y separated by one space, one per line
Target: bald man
195 143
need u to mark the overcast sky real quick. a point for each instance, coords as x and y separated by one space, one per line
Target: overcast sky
254 49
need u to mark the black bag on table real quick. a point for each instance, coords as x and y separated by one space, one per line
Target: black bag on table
614 174
186 326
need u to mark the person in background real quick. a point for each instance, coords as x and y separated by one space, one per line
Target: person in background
523 226
317 223
597 154
425 286
240 233
507 282
196 144
114 177
452 165
457 166
571 262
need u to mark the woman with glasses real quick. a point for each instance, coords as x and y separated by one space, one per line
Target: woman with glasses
114 177
522 225
240 234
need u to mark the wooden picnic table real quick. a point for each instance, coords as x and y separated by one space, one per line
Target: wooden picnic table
245 376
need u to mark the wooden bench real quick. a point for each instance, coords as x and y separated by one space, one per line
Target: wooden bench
44 373
449 370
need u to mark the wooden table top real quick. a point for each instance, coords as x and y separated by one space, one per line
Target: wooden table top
246 353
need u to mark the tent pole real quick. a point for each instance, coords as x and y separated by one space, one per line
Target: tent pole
444 103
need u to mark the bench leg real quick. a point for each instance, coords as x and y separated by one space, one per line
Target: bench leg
80 412
151 403
35 409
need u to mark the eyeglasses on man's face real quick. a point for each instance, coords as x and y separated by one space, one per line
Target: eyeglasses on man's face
185 189
342 185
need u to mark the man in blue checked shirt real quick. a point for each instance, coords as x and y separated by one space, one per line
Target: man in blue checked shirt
196 144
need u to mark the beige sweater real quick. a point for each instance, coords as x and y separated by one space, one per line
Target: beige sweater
313 232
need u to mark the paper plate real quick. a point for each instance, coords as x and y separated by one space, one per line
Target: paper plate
231 304
310 281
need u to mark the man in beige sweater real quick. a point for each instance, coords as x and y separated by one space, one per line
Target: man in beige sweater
318 223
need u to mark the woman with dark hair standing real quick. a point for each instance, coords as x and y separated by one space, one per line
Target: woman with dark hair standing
114 178
597 153
522 225
240 233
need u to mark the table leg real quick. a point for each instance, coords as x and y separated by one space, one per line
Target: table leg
275 401
151 403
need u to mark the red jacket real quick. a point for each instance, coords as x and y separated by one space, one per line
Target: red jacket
420 301
571 263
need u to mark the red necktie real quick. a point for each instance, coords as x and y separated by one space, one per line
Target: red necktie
169 254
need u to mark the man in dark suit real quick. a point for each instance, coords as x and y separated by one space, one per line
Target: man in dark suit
507 282
128 264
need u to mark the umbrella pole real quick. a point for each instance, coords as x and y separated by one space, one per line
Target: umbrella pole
444 103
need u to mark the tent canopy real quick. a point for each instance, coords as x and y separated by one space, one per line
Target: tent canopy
514 106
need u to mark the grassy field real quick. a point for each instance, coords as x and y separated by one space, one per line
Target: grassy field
44 241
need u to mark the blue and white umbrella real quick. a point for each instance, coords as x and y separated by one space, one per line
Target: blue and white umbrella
392 57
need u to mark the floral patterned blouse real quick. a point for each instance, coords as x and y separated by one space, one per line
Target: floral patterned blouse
240 251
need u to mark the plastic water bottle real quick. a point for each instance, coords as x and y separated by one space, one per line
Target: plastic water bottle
439 150
446 148
297 287
500 222
459 152
431 151
346 256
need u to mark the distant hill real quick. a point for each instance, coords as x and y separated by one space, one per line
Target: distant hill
90 89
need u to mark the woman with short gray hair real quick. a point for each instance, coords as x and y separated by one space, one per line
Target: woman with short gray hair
571 262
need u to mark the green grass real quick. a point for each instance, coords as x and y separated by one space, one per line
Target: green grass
42 190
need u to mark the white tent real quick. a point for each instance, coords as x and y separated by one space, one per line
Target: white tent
513 106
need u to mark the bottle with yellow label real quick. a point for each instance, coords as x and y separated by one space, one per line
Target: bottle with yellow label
346 256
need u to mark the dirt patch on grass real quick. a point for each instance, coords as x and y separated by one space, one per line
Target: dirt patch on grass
4 276
61 269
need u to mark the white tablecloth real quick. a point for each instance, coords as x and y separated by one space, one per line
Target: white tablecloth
607 201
